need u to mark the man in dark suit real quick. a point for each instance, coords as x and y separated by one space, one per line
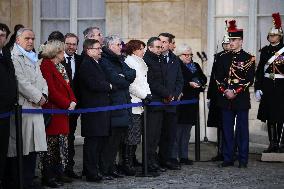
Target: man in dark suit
166 82
95 92
234 76
72 64
7 95
173 81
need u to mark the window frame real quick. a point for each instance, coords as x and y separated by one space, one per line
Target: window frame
251 30
73 19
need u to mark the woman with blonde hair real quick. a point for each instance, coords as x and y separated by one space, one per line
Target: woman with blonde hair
60 97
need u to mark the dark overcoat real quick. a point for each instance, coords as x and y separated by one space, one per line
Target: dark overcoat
8 82
95 90
187 113
271 106
214 114
165 79
120 76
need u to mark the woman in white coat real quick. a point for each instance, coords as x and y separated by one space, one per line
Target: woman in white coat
139 91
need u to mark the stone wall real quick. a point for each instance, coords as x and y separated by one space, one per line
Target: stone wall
16 12
142 19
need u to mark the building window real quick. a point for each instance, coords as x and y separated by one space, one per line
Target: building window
254 16
67 16
264 19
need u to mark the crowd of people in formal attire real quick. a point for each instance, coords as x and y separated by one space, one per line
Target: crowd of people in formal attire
110 72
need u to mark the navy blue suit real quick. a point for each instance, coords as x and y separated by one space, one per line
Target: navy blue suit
236 72
165 79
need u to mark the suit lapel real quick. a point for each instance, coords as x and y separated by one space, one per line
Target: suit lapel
98 66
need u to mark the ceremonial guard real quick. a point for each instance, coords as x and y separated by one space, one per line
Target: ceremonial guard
215 112
234 76
269 85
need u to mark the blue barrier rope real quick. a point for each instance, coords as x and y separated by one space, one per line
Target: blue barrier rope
7 114
98 109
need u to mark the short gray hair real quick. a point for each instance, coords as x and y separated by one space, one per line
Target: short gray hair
182 48
89 30
109 40
52 48
22 30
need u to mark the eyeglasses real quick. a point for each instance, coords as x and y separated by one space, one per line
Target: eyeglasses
187 55
158 47
96 48
71 44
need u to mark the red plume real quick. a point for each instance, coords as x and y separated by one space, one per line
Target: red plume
232 25
276 20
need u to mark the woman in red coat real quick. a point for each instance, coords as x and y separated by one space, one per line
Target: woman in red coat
60 97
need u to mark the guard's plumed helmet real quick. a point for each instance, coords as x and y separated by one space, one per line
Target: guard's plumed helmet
226 39
276 29
233 31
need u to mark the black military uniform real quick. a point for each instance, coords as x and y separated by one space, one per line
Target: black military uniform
235 73
270 81
215 112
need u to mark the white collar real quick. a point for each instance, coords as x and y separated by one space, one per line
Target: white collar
66 55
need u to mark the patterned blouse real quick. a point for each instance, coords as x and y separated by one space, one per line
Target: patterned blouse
62 71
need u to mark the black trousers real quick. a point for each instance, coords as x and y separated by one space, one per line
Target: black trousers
71 138
111 147
168 136
4 142
92 150
161 130
11 172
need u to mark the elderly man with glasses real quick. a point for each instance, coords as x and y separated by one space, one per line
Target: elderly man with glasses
121 76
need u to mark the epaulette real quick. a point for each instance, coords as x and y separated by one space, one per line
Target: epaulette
252 57
224 52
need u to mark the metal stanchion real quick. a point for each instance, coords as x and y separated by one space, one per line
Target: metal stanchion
197 136
19 138
19 141
144 147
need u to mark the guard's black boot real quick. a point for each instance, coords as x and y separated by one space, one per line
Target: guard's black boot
127 157
272 134
219 156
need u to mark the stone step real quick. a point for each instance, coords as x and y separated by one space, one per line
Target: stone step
272 157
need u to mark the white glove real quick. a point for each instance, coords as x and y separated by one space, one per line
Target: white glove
258 94
72 106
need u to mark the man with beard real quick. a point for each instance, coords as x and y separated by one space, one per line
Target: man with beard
72 64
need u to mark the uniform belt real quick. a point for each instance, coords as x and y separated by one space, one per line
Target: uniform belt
276 76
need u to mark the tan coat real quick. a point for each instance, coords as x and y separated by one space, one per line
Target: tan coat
31 86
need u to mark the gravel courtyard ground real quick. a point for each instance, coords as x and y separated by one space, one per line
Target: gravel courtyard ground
204 175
